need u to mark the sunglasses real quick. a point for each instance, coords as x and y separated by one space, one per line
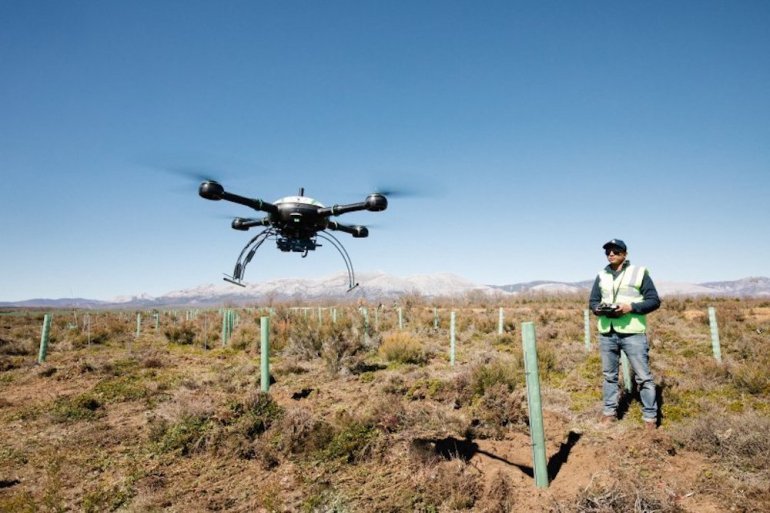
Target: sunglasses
616 251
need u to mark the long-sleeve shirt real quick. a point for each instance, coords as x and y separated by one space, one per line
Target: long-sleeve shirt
650 303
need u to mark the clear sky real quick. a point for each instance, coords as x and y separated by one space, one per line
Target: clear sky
535 130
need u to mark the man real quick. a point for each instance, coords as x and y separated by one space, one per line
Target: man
622 295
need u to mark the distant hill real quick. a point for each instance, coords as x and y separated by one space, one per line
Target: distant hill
378 286
546 287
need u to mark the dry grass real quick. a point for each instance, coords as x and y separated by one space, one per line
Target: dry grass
364 416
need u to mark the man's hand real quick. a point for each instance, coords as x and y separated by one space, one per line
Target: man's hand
624 309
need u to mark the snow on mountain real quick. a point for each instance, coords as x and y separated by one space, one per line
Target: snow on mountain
370 285
131 299
672 288
546 287
752 286
439 284
379 285
556 288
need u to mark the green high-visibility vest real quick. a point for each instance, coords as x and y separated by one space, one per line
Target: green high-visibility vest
626 288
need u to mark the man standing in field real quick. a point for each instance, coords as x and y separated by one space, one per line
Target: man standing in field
621 297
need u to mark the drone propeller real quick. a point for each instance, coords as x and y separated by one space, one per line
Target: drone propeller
196 174
187 177
393 192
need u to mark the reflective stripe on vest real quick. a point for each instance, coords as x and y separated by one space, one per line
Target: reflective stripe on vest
625 289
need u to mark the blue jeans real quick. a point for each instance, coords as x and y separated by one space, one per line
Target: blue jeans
636 348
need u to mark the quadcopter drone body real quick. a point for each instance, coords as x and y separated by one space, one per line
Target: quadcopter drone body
295 223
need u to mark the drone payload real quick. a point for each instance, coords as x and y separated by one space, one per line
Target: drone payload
295 223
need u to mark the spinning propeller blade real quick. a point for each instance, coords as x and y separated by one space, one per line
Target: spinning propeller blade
394 192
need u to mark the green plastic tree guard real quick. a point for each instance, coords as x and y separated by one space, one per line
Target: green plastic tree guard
265 353
715 346
452 339
626 371
536 428
44 338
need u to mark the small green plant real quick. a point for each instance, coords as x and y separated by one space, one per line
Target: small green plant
104 499
85 406
186 436
120 389
256 413
427 388
19 503
352 444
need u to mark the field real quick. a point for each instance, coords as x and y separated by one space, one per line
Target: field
151 411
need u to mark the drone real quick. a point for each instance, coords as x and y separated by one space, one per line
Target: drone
295 223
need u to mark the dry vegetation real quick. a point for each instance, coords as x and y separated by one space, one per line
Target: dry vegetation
364 416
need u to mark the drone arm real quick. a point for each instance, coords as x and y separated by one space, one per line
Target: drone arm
256 204
357 231
214 191
374 203
341 209
242 224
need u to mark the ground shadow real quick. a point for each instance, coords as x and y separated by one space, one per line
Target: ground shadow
451 448
302 394
362 367
464 449
556 461
626 398
624 402
7 483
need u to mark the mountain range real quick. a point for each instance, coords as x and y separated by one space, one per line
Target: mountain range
378 286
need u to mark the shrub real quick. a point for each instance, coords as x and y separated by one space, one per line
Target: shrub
484 376
301 433
403 347
497 411
340 351
449 486
751 378
352 444
739 441
257 413
183 334
500 497
186 436
17 347
306 339
247 336
623 496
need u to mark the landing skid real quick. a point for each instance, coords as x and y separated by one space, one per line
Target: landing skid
248 251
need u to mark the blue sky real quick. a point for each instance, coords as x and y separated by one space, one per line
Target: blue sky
536 131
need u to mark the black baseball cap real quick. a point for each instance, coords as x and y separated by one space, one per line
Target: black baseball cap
616 243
